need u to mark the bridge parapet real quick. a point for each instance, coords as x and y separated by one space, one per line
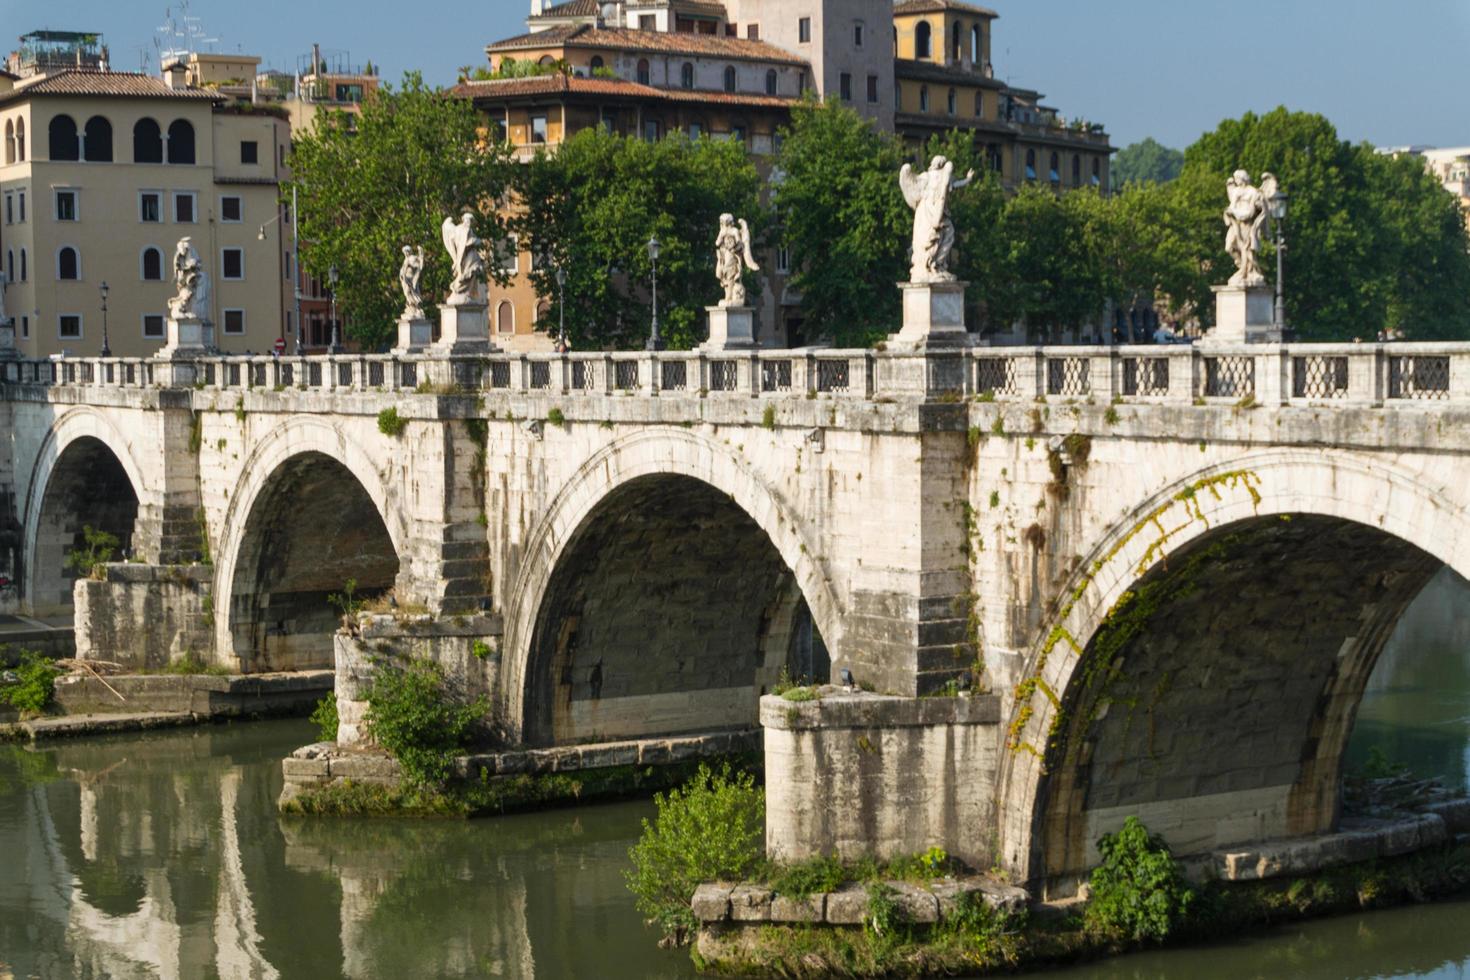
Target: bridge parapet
1326 374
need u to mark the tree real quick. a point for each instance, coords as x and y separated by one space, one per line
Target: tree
414 157
1146 162
844 219
591 208
980 252
1054 265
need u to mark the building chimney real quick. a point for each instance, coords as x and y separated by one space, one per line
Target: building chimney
538 7
175 75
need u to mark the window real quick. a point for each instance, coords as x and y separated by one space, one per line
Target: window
783 259
62 134
68 263
979 104
97 140
647 22
152 326
845 86
25 327
596 64
150 206
686 75
857 34
1076 171
20 144
954 42
69 326
66 206
643 72
1030 164
923 98
923 40
249 152
25 272
753 32
975 46
147 142
1096 182
9 141
234 322
695 131
184 207
801 84
538 128
21 211
230 209
737 133
152 265
873 89
286 262
729 78
505 317
1055 172
650 130
180 142
952 103
9 208
232 263
510 261
771 82
804 30
9 267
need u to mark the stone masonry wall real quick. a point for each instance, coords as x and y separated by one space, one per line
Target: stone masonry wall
145 617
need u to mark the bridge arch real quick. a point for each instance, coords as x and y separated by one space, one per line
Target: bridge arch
1205 664
84 473
312 510
703 509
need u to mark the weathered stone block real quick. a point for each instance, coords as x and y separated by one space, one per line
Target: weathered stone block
711 902
785 908
750 903
367 767
848 906
915 904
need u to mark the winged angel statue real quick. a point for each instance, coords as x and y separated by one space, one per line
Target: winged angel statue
1246 219
928 194
466 259
732 257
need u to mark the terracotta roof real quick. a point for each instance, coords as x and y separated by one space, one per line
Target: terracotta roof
107 84
939 6
574 8
660 42
559 84
925 71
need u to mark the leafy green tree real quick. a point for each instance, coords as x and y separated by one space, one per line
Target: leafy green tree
414 157
844 219
1054 265
1146 162
591 208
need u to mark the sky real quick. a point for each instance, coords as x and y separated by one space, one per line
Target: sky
1388 73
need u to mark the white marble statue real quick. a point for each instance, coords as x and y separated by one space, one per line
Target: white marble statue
928 194
409 275
732 257
467 259
1246 219
191 301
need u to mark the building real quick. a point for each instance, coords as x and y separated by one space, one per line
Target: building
733 69
103 172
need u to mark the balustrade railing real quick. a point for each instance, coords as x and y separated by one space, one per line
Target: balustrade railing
1388 374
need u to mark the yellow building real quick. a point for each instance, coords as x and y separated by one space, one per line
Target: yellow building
103 172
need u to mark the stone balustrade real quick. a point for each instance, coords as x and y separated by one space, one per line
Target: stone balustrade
1268 374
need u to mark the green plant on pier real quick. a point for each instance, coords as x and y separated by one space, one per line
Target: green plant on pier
99 547
1138 892
324 717
414 714
390 423
31 690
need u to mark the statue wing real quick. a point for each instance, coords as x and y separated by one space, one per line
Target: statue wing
449 232
912 185
745 243
1269 186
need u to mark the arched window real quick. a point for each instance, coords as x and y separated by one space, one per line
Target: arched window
729 78
643 74
597 62
147 142
1055 169
68 263
9 141
976 45
25 270
10 266
1030 164
923 40
979 104
546 60
505 317
152 264
20 141
686 75
1076 171
98 141
954 42
1096 181
923 98
63 138
771 82
180 142
952 102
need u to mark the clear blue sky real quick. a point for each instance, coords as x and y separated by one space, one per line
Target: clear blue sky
1391 73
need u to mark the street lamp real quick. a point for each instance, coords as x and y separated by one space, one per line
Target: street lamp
106 350
561 302
655 342
1277 203
336 346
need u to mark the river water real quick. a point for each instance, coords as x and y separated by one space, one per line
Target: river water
162 856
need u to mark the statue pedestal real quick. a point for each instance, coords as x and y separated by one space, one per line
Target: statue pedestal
464 329
1244 315
933 316
187 337
414 334
730 328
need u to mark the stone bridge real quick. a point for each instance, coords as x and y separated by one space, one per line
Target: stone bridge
1072 583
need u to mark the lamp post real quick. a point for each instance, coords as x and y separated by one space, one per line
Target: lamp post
106 349
335 347
561 302
1277 204
655 342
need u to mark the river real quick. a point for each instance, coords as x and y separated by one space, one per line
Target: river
162 856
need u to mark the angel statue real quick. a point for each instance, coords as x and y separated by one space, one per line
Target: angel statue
928 194
732 257
1245 221
465 256
191 301
409 275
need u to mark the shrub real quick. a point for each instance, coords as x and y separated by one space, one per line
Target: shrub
556 417
811 877
415 716
34 679
100 548
390 423
1138 892
711 828
802 694
768 417
324 717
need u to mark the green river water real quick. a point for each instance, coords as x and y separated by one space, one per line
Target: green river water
162 856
